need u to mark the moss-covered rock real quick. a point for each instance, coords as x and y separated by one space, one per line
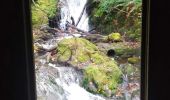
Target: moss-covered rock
114 37
134 60
101 74
77 51
126 50
105 76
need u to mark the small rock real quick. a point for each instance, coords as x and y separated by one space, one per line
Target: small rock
92 87
114 37
134 60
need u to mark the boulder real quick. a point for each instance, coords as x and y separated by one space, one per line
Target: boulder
101 74
76 51
106 76
134 60
115 37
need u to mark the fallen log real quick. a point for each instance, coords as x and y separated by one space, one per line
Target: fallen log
80 30
57 30
95 38
93 29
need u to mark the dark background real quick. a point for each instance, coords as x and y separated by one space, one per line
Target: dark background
159 65
17 74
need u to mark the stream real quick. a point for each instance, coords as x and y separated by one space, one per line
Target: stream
56 82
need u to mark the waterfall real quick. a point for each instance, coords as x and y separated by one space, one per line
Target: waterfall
73 8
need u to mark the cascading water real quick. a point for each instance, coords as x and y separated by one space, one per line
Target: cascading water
74 9
56 82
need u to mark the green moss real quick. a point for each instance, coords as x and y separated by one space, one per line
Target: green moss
106 76
64 53
134 60
42 10
76 50
38 17
99 58
114 37
125 50
101 71
128 69
81 58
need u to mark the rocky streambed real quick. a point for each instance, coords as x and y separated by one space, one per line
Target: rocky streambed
78 69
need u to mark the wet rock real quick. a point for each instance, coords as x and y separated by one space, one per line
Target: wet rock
107 91
103 47
92 87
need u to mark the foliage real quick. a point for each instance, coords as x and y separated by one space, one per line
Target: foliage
38 17
123 16
118 6
42 10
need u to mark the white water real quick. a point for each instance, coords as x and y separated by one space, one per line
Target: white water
61 83
73 8
57 82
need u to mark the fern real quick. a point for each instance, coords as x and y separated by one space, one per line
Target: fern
118 16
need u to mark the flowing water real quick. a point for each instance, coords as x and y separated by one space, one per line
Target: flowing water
57 82
74 9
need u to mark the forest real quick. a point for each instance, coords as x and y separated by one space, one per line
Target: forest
87 49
